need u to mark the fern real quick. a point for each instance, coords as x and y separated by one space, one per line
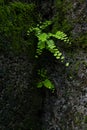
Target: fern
45 40
44 80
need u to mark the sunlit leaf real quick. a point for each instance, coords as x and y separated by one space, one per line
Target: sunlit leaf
50 44
47 83
43 37
67 64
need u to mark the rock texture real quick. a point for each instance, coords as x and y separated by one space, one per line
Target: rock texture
19 100
67 108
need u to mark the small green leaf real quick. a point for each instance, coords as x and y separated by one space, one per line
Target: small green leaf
59 54
57 57
62 58
67 64
43 37
36 56
50 44
47 83
55 54
39 85
41 45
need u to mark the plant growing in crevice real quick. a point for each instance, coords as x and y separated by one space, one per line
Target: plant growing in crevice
44 80
45 41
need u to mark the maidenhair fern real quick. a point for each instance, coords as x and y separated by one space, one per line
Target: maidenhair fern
44 80
45 40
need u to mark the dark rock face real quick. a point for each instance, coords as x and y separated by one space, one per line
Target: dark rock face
67 108
21 105
70 17
19 100
77 14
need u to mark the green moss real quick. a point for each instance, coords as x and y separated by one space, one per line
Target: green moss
78 119
82 40
68 7
1 2
15 19
63 21
60 20
85 120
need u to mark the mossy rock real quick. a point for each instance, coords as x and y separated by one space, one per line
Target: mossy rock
15 19
68 17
